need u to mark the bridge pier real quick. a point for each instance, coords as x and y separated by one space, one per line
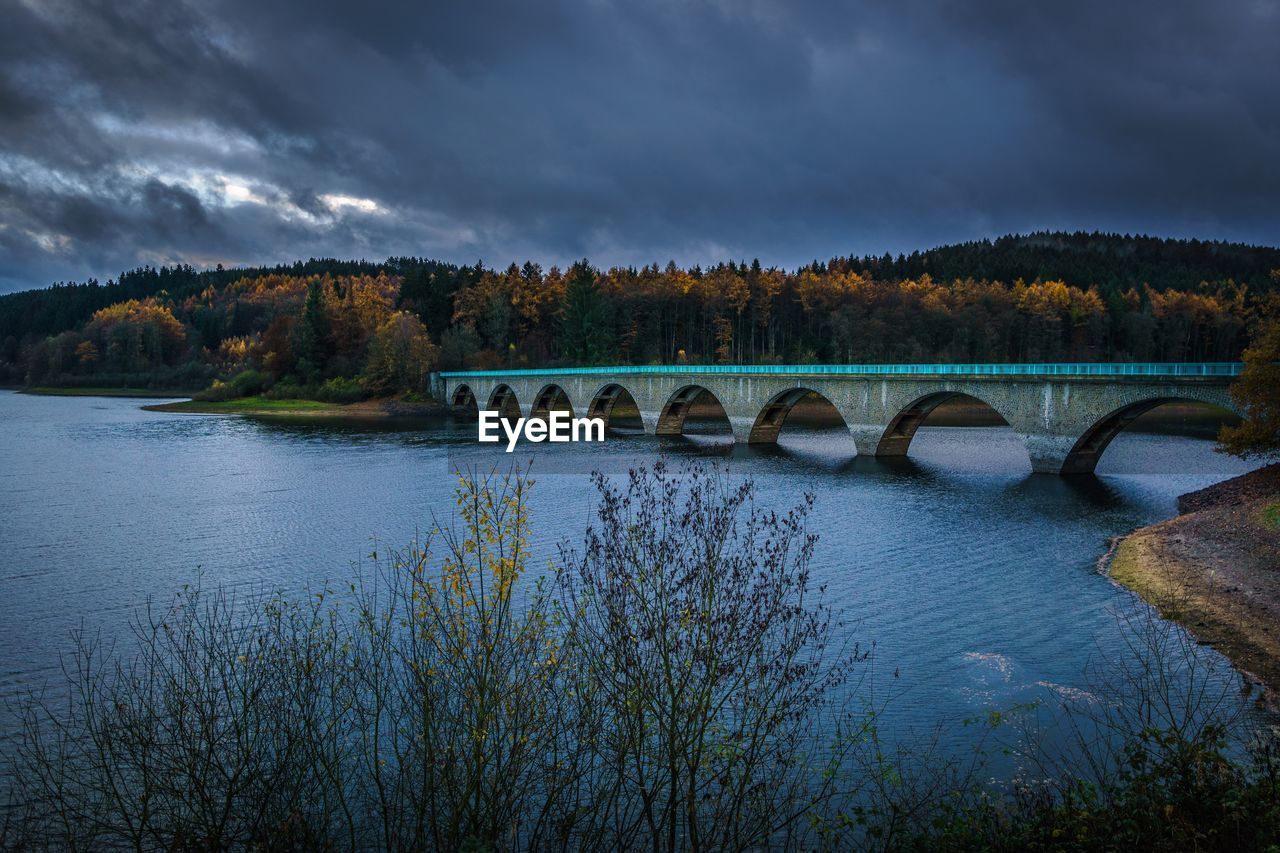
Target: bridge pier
866 438
1050 453
649 420
742 429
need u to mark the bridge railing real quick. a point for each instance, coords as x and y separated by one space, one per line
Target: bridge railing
1150 369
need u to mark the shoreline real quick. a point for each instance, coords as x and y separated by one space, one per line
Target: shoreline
1215 570
384 408
140 393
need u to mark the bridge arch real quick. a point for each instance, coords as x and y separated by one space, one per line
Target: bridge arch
768 423
681 403
464 396
551 398
1088 449
503 401
897 436
607 398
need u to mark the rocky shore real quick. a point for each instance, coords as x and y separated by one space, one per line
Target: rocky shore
1215 568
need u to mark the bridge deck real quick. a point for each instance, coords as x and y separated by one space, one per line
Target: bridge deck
1108 369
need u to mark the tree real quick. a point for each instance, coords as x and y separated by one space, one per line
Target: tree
274 349
584 335
464 709
458 347
400 355
134 336
87 354
711 660
312 348
1257 393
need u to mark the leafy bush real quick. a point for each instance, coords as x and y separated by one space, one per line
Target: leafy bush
342 390
290 390
1171 794
247 383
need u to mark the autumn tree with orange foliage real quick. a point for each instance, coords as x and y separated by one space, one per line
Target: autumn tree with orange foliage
1257 391
137 335
400 356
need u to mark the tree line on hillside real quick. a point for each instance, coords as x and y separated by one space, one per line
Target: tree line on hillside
1109 261
343 330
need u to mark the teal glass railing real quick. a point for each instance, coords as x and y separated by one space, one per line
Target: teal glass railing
1152 369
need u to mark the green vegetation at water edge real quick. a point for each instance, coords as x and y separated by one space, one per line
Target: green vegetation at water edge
107 392
1257 392
246 405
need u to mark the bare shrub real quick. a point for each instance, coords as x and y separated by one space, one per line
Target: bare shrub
463 721
211 735
705 649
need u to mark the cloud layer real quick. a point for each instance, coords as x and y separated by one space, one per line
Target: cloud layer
252 131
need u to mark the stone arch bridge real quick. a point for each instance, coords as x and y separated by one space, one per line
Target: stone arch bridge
1066 414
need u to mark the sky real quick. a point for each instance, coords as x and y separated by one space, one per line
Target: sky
625 131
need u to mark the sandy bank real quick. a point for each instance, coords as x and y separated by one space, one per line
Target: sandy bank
1215 568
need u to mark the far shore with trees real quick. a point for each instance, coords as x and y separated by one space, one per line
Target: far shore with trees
340 332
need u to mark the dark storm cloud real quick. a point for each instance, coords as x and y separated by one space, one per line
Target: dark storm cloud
252 131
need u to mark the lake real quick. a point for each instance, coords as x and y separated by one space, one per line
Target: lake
977 580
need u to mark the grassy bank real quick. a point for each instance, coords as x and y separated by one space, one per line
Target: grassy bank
382 408
248 406
108 392
1215 569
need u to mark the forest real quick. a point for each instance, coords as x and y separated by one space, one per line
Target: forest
345 330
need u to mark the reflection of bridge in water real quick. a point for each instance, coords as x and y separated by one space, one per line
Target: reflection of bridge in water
1066 414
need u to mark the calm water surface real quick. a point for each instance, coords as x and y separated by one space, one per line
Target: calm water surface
977 580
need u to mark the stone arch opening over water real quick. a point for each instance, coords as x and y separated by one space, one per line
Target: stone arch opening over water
697 404
615 405
964 409
464 396
805 402
1088 449
503 401
552 398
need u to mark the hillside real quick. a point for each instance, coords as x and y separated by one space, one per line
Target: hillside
1108 261
343 330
